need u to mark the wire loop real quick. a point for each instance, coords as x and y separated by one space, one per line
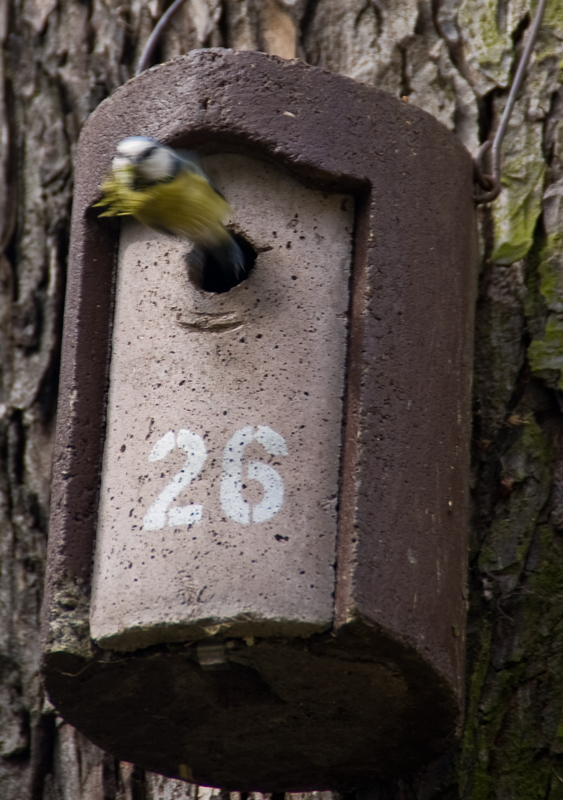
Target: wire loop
491 187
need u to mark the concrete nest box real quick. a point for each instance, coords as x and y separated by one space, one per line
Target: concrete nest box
259 519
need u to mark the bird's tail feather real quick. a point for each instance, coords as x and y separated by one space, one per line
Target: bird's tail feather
218 268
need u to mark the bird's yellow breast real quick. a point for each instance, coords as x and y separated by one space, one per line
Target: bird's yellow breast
186 206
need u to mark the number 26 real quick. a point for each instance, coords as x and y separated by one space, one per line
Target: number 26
160 514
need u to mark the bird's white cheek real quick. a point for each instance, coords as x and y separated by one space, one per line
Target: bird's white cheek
158 166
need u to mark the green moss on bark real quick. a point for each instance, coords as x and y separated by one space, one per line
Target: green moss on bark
545 352
519 206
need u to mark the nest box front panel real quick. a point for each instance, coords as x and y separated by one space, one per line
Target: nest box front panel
222 452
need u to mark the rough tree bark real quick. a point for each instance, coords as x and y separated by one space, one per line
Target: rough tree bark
454 58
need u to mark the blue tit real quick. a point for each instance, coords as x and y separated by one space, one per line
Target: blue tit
167 190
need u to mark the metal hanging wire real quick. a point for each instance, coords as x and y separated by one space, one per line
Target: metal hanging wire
491 183
144 61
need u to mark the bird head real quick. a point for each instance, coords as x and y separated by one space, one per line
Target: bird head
141 162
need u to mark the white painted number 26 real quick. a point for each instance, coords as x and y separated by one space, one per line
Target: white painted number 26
161 514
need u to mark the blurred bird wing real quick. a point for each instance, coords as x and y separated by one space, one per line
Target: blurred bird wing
191 162
189 159
186 206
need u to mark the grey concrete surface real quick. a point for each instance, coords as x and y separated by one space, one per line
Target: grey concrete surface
222 453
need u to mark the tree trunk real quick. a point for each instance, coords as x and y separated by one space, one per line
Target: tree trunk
455 59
